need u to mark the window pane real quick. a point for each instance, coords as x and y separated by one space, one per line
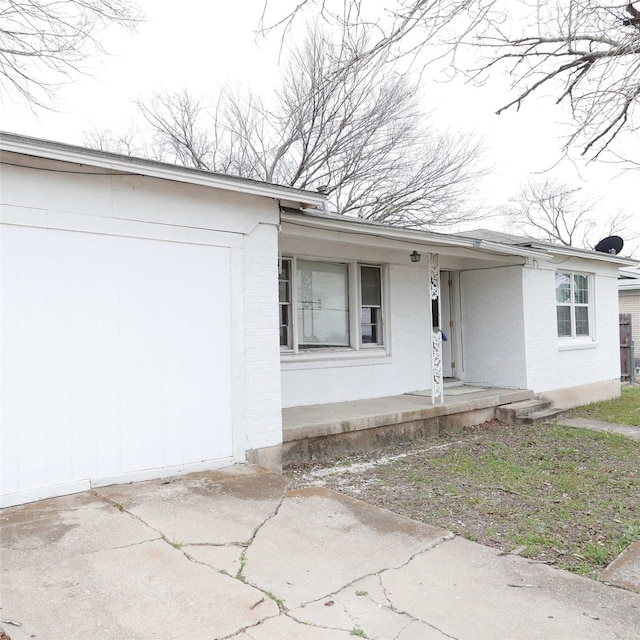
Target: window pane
370 325
284 326
582 321
370 286
564 321
580 289
563 287
284 292
323 304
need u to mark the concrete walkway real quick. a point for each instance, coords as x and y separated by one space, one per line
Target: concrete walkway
597 425
234 554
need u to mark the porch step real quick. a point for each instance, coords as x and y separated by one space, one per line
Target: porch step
541 416
315 432
527 412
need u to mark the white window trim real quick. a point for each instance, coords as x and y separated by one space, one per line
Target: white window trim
571 342
356 349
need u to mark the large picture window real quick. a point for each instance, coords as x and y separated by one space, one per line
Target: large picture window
329 305
572 304
322 305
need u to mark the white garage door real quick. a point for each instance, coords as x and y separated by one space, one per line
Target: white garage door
115 359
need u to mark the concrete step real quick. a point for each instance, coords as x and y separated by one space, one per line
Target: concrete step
511 413
546 415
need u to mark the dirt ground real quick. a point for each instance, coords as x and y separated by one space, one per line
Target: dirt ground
557 495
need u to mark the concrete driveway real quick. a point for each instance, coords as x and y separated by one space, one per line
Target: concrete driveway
233 554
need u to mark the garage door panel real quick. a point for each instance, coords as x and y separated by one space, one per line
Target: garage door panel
141 353
57 313
119 359
105 413
89 340
27 297
9 321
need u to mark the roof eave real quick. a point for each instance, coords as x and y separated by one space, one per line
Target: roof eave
592 255
63 152
316 220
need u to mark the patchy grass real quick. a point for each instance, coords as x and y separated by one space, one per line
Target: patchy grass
624 410
560 495
278 601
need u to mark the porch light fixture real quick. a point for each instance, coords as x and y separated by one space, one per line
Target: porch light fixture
415 256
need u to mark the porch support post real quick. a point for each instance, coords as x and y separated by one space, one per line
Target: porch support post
437 383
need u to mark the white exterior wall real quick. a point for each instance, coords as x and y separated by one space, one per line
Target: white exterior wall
125 351
262 353
493 342
403 365
554 363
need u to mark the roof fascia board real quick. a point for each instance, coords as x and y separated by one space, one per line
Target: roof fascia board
137 166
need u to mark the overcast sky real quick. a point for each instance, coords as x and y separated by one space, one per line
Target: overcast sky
192 44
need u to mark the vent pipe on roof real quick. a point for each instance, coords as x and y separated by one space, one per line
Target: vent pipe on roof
324 190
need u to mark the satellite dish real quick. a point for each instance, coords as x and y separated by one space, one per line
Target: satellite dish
612 245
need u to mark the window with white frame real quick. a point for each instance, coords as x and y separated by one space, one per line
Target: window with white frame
324 305
370 305
573 302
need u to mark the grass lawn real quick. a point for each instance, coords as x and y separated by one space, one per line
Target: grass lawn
564 496
625 409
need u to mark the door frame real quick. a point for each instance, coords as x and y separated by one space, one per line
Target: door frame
451 323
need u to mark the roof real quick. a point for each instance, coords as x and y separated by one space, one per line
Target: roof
552 247
10 142
298 206
629 280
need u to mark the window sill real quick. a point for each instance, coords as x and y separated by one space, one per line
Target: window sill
575 345
334 358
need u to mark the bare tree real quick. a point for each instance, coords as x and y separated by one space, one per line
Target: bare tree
584 52
43 43
400 28
555 212
356 130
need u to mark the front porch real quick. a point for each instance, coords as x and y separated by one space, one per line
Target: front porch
316 431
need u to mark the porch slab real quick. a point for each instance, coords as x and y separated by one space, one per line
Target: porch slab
312 431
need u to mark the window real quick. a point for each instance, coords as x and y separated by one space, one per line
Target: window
572 304
370 305
324 305
284 284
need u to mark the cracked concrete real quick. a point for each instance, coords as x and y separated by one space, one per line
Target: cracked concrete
234 554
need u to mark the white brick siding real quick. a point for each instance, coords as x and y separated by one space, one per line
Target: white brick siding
493 327
261 343
554 363
404 365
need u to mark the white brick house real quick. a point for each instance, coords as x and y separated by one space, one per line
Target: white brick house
139 330
140 305
517 314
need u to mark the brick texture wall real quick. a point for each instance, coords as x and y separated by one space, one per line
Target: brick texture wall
261 344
